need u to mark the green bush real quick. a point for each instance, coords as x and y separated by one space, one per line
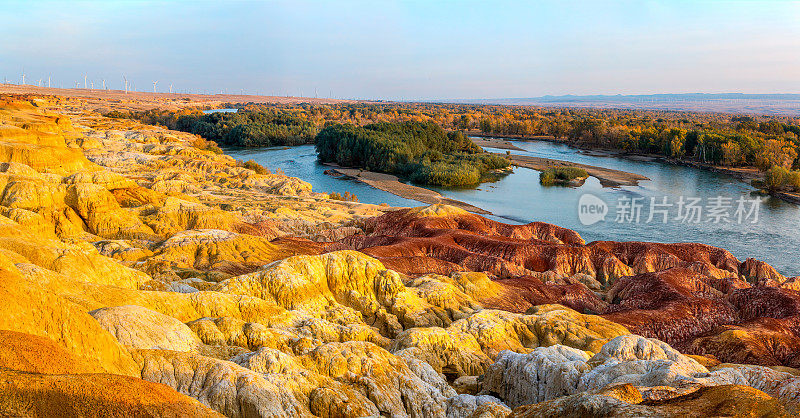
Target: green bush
547 178
561 175
780 178
116 114
793 180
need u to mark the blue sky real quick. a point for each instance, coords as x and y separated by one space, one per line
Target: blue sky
409 49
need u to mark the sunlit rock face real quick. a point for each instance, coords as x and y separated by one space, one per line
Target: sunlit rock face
628 371
725 318
697 297
143 275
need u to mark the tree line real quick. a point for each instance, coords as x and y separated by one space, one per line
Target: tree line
263 127
718 139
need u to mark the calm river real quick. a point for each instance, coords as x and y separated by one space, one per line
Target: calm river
519 198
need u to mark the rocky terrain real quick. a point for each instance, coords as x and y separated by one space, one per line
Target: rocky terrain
141 274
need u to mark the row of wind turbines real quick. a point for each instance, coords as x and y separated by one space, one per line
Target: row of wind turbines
89 84
129 86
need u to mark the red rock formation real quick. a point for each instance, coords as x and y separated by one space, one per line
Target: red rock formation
700 315
576 295
770 302
696 297
765 341
760 272
671 305
646 257
408 222
408 240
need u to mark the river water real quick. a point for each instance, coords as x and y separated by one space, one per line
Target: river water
774 237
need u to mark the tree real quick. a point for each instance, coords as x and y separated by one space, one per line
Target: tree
776 152
775 177
463 122
672 141
486 125
732 154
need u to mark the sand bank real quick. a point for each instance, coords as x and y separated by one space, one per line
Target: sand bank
608 177
393 185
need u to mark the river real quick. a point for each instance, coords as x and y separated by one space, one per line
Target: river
519 198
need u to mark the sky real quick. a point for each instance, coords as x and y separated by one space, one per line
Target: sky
407 50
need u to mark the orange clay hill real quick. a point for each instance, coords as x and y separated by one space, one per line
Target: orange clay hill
142 275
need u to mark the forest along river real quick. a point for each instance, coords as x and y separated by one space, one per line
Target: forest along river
519 198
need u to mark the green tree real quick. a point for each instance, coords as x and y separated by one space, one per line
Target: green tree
486 125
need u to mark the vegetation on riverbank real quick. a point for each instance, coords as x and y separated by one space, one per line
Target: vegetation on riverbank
562 176
252 165
705 138
422 152
263 127
345 197
780 179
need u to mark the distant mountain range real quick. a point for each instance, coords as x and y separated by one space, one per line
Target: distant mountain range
755 104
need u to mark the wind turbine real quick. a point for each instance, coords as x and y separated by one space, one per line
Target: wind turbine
104 84
170 88
40 82
92 83
23 75
154 86
48 82
84 81
126 83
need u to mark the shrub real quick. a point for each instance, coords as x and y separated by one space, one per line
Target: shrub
780 178
258 168
205 145
547 178
116 114
347 197
793 180
773 178
561 175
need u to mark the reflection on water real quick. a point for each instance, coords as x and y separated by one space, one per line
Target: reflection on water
519 198
301 162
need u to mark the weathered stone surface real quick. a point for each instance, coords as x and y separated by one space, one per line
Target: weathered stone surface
483 406
32 309
468 346
700 314
728 400
141 328
37 354
544 374
336 379
350 283
91 395
658 372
